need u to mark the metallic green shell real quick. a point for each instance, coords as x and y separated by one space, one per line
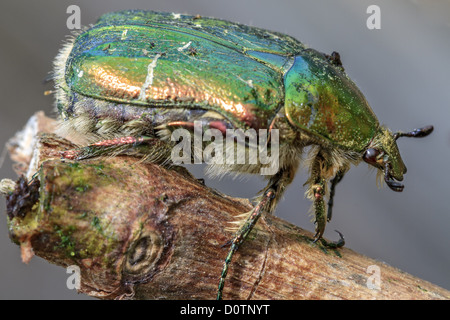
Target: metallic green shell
246 74
322 100
182 61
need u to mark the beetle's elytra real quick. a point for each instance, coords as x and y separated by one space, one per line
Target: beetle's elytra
136 75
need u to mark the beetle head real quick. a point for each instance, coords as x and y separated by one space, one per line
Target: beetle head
383 154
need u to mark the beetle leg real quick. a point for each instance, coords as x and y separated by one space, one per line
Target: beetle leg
338 178
319 207
242 234
318 183
321 169
267 202
147 147
320 212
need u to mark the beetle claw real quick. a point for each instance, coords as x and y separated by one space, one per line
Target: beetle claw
341 242
334 245
319 233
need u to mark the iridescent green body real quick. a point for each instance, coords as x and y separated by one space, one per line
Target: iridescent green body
135 75
323 101
246 74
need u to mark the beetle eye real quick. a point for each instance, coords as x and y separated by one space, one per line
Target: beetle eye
370 156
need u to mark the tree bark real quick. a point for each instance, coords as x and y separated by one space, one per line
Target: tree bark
138 230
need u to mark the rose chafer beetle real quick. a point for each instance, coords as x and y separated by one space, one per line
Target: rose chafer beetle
134 76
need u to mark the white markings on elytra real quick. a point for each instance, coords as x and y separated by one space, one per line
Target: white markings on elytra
124 34
176 15
185 46
248 82
149 79
80 74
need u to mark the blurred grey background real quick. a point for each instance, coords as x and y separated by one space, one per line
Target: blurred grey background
403 69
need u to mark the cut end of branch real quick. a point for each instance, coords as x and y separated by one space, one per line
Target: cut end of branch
26 251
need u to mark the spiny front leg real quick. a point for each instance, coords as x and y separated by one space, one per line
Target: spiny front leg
322 169
318 190
321 216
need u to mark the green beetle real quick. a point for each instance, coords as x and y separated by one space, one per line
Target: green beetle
135 76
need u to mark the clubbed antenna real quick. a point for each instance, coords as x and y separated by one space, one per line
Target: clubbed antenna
416 133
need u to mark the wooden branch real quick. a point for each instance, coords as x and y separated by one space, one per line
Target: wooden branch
137 230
